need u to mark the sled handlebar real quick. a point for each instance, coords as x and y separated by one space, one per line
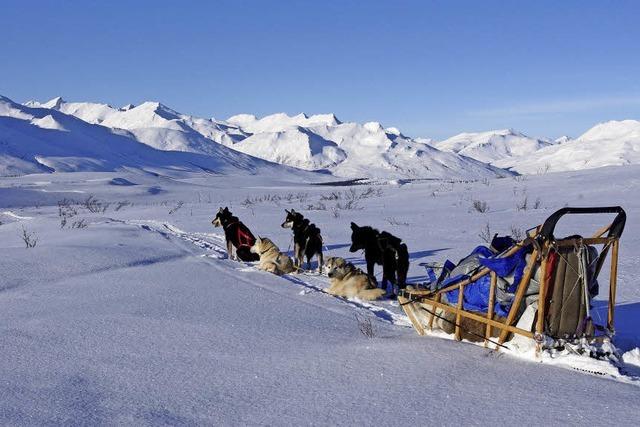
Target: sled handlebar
615 231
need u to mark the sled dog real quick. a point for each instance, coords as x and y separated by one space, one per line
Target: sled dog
271 259
237 235
384 249
348 281
307 241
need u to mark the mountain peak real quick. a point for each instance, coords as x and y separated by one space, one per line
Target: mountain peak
54 103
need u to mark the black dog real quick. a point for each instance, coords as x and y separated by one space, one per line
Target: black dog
307 240
384 249
237 235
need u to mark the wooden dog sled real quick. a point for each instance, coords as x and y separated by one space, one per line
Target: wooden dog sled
566 267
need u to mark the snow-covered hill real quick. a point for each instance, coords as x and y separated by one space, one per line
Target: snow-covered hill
318 142
153 124
43 139
348 150
353 150
614 143
492 146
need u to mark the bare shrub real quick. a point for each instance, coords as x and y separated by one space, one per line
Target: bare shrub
371 192
545 169
365 326
81 223
537 204
301 197
486 181
523 205
94 205
393 221
480 206
66 210
517 233
317 207
30 240
485 234
349 205
176 208
334 195
335 212
265 198
247 203
126 203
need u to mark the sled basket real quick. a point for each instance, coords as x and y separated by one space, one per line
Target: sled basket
557 285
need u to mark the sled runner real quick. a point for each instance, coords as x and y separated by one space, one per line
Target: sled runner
539 289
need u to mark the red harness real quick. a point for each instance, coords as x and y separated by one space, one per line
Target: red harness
244 236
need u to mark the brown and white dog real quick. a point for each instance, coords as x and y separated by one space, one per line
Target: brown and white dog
271 259
348 281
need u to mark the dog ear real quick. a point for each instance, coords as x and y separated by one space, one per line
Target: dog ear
354 226
226 209
220 210
287 211
293 211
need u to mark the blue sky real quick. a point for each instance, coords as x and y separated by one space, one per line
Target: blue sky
431 68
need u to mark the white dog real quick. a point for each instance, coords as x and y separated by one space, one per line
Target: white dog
348 281
271 259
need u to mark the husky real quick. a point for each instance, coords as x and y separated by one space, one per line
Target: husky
384 249
271 259
238 237
348 281
307 240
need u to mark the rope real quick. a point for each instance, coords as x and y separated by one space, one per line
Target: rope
457 325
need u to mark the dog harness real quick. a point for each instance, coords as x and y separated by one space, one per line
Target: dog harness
245 238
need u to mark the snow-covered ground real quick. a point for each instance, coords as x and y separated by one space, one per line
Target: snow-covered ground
139 318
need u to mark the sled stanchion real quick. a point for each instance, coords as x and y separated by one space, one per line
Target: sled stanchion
601 231
458 314
522 287
410 311
612 285
542 298
492 300
432 317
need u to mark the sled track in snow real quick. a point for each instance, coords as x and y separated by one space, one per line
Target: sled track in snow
309 281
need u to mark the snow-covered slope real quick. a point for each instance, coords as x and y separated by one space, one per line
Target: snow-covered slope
613 143
139 318
492 146
318 142
281 121
45 140
153 124
351 150
296 147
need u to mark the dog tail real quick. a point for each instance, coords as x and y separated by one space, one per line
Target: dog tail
371 294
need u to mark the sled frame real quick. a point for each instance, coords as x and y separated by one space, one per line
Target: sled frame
415 301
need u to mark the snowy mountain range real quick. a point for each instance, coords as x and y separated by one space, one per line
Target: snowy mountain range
312 143
493 146
316 143
40 139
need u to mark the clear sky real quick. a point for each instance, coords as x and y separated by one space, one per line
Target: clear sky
431 68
